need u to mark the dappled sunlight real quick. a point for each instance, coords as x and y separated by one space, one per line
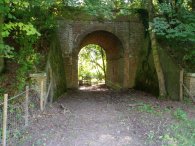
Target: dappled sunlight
91 65
99 87
108 138
71 71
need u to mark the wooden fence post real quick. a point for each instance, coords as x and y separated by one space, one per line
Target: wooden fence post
42 98
26 106
47 95
4 119
181 85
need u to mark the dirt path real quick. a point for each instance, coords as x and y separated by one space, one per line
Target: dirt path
99 118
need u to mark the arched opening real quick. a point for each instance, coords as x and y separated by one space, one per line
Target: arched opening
91 65
114 56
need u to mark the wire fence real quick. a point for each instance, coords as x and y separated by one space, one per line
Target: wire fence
16 113
1 122
188 93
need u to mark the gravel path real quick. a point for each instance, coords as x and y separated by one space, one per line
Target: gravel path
98 117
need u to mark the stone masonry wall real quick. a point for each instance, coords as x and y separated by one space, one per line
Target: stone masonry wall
189 81
129 33
127 49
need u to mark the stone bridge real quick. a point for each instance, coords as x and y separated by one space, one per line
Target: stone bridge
121 41
128 52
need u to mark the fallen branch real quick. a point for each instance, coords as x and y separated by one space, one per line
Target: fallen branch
64 109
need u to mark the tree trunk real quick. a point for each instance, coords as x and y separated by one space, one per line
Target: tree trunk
103 61
157 63
2 64
159 71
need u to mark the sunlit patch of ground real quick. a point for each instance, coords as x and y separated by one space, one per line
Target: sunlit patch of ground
95 87
96 116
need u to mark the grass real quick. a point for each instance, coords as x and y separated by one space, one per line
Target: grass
150 137
187 100
146 108
180 134
181 131
180 114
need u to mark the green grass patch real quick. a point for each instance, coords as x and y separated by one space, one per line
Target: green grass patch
149 108
180 114
182 132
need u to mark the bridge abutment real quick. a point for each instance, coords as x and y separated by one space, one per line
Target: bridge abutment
122 41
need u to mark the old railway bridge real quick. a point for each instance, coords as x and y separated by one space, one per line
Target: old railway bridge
127 46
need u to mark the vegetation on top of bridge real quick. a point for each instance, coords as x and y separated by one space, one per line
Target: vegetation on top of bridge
81 13
27 26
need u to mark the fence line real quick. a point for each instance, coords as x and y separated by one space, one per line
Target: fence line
188 92
4 132
16 114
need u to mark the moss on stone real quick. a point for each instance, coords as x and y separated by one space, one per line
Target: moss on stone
171 74
57 70
79 13
114 86
177 51
146 77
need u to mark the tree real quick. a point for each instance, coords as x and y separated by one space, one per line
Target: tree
154 45
1 43
175 24
92 62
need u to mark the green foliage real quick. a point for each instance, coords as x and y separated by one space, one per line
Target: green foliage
180 114
27 58
184 131
26 36
150 137
176 23
180 132
175 29
27 28
6 51
146 108
168 140
189 56
109 9
188 100
19 29
101 9
92 63
25 22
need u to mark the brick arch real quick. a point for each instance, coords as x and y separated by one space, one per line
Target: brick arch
120 39
130 49
109 41
96 33
114 55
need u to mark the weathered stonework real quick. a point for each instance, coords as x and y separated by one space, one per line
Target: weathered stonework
121 41
36 80
189 81
127 45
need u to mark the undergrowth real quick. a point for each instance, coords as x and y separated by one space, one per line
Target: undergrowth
180 132
183 131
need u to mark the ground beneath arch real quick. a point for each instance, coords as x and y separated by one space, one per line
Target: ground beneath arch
101 117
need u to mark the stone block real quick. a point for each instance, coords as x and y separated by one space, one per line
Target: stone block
189 81
36 80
